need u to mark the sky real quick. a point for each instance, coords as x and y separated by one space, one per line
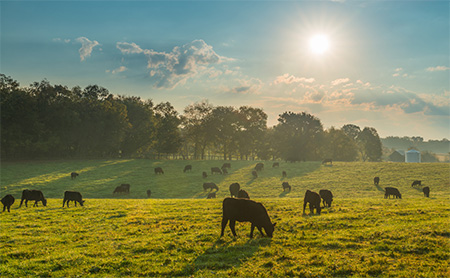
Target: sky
380 64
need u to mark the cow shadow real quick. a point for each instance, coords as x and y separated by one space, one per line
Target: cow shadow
379 188
223 255
283 194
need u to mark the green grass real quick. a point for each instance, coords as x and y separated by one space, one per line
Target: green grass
176 232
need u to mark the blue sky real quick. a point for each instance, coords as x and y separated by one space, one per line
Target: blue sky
387 64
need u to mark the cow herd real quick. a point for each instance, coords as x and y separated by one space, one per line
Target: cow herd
395 193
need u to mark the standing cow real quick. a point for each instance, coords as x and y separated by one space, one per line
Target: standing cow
234 189
187 168
376 181
284 174
74 175
33 195
210 186
149 193
313 199
158 170
327 197
216 170
254 174
73 196
211 195
204 175
244 210
416 182
286 186
7 202
259 166
426 192
123 188
391 191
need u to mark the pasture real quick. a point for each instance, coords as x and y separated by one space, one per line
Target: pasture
176 232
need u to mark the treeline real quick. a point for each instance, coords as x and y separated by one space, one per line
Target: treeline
406 143
53 121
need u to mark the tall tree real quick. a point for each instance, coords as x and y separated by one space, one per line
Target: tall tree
370 144
252 124
338 146
223 126
196 128
167 126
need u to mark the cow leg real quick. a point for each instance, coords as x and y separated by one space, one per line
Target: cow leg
224 224
304 207
35 204
75 203
26 203
311 208
21 201
4 207
64 202
251 230
8 208
232 227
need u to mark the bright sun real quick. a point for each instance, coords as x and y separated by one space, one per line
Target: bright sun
319 44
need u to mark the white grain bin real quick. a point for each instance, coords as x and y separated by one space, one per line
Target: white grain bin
412 156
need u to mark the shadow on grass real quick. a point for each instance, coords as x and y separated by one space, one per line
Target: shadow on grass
283 194
223 255
380 188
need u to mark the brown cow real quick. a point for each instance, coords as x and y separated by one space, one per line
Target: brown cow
72 196
187 168
275 164
285 186
426 192
74 175
123 188
210 186
159 170
376 181
416 182
33 195
244 210
149 193
204 175
327 197
216 170
392 191
313 199
7 202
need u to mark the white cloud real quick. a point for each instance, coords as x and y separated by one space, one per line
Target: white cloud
339 81
119 69
438 68
61 40
86 47
289 79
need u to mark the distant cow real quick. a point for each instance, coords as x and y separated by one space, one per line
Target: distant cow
283 174
254 174
226 165
244 210
327 161
211 195
33 195
149 193
275 164
416 182
204 175
187 168
72 196
234 189
225 171
259 166
327 197
426 192
74 175
123 188
243 194
286 186
313 199
8 201
392 191
159 170
376 181
210 186
216 170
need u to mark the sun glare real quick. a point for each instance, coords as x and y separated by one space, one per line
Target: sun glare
319 44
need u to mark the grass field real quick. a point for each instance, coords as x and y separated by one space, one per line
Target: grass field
176 232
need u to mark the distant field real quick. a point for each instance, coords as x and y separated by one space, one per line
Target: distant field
176 232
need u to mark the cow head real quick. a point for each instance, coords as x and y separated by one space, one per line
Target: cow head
44 202
269 229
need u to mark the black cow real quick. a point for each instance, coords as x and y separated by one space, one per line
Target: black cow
73 196
327 197
254 174
327 161
216 170
159 170
211 195
275 164
392 191
426 192
259 166
8 201
33 195
226 165
244 210
149 193
187 168
210 186
376 181
284 174
313 199
123 188
243 194
204 175
286 186
416 182
234 189
74 175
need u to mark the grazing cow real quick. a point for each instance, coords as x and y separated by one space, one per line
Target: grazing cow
275 164
285 186
376 181
123 188
284 174
210 186
187 168
255 174
226 165
392 191
327 197
33 195
327 161
73 196
259 166
204 175
159 170
149 193
74 175
313 199
416 182
244 210
426 192
8 201
216 170
243 194
225 171
211 195
234 189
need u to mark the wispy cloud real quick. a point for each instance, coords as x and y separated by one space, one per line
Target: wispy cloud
289 79
438 68
86 47
61 40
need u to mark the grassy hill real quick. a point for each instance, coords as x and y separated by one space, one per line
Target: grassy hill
98 178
